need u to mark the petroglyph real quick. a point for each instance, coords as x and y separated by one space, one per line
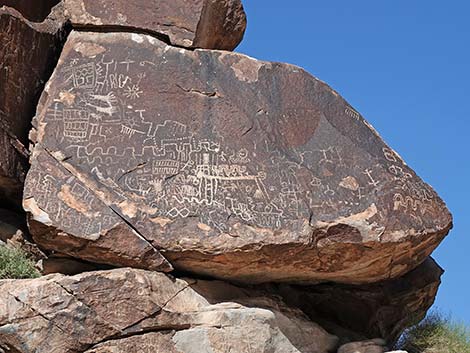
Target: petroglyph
185 174
182 174
245 175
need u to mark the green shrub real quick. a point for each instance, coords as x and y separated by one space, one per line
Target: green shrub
436 334
14 264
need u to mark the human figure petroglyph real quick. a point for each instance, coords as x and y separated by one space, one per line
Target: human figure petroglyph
372 181
184 170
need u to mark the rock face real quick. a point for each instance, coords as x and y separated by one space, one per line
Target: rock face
34 11
229 166
123 310
211 24
383 309
13 162
28 52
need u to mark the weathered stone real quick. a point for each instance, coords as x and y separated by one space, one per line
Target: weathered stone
371 346
231 167
64 265
127 310
383 309
89 228
210 24
13 166
28 53
35 11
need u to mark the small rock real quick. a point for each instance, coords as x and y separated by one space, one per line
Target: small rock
371 346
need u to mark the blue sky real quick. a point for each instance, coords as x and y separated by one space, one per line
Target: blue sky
405 65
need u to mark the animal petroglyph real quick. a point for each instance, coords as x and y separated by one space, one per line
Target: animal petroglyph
184 173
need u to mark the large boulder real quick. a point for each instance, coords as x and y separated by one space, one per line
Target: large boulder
126 310
211 24
28 54
230 167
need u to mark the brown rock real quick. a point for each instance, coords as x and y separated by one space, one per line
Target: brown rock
13 166
89 228
383 309
154 342
28 53
231 167
126 310
211 24
34 11
65 265
372 346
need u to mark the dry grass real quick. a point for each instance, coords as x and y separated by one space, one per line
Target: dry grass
436 334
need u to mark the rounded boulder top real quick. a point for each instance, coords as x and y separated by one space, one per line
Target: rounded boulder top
227 166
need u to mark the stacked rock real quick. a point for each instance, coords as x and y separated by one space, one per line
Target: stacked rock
155 149
28 53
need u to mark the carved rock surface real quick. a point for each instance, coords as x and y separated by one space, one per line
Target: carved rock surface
28 52
210 24
383 309
231 167
127 310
